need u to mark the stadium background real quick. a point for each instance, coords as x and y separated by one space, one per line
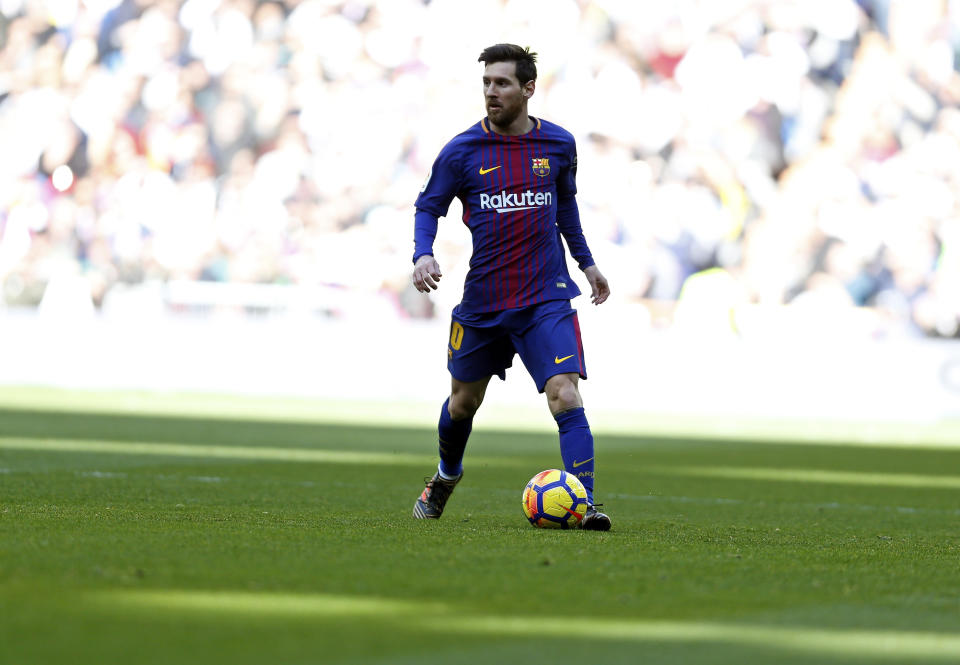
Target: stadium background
218 196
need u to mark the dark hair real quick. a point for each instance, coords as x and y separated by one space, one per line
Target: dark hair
523 57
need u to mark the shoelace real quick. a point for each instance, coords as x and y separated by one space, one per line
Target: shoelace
439 490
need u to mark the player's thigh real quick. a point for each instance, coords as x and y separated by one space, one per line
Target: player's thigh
477 353
552 344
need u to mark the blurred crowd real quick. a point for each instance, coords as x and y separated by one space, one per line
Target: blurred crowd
762 152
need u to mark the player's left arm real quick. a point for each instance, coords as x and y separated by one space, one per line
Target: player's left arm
568 221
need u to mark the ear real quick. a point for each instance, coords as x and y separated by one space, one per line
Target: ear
529 88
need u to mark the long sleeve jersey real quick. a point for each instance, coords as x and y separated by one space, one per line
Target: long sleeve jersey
518 196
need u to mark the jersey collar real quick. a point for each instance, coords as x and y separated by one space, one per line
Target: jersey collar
483 124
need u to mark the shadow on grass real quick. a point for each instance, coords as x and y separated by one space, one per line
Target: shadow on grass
652 449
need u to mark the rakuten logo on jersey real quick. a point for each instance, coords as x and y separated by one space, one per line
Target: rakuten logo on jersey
504 202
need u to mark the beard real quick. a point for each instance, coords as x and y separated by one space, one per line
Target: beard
503 115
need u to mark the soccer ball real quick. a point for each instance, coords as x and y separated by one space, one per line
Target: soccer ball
554 499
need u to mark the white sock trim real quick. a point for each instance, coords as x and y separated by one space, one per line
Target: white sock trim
445 476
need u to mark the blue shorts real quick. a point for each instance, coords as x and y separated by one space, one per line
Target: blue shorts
546 335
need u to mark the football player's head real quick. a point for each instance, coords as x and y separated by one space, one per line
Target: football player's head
509 80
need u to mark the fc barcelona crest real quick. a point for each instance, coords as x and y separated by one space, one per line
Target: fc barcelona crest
541 166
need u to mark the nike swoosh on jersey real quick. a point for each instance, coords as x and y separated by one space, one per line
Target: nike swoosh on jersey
578 464
557 361
484 171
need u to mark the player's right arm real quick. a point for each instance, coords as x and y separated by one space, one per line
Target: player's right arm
441 185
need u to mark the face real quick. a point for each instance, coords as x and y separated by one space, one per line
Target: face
504 96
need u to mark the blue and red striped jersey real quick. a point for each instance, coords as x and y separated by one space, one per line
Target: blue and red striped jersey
511 188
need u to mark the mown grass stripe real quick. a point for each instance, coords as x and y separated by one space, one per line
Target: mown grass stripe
875 643
927 481
287 454
284 454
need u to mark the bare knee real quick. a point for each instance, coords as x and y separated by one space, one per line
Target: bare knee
562 393
463 407
466 398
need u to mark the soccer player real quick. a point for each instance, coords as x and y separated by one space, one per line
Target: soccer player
516 178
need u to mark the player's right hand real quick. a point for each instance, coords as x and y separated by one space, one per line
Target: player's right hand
426 274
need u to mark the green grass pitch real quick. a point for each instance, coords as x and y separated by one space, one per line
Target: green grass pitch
217 535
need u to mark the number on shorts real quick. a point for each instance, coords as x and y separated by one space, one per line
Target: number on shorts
456 336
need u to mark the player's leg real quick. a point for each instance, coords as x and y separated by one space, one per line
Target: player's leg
453 430
456 423
552 352
474 355
576 441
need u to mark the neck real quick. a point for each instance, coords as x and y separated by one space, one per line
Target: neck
520 125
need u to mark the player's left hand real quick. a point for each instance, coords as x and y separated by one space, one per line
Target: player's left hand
600 289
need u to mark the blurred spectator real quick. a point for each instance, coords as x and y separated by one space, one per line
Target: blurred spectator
803 152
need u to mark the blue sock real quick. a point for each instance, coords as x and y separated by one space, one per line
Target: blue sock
453 436
576 446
